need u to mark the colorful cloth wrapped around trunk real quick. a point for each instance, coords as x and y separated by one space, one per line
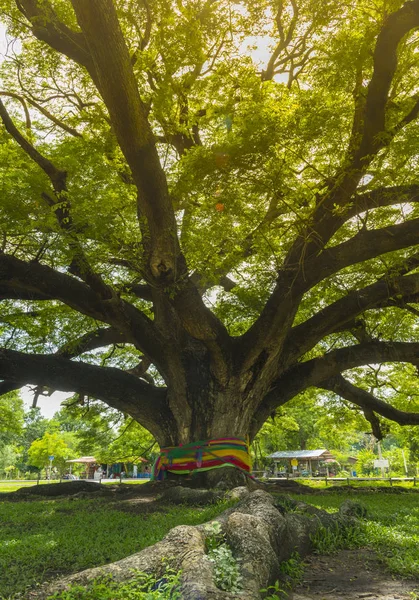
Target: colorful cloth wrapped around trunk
202 456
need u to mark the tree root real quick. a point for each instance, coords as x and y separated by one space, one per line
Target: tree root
258 529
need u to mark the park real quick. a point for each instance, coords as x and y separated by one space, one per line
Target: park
209 290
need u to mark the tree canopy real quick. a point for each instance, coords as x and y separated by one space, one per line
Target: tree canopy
11 416
195 233
50 445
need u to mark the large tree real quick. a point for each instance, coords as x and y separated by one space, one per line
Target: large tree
194 237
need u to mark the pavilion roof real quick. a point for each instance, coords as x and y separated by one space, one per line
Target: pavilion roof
83 459
325 454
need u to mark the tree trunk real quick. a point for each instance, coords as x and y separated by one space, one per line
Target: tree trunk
204 405
214 414
214 409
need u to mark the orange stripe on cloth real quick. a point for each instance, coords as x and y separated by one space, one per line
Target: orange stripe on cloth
202 456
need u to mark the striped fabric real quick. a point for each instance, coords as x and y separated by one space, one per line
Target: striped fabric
202 456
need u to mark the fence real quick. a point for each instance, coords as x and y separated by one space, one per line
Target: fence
257 474
117 479
332 480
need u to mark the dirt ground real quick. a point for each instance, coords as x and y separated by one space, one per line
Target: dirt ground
139 505
351 575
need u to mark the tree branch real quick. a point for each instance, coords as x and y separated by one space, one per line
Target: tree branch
341 386
10 292
25 99
141 290
118 88
380 197
122 391
47 27
305 336
164 263
396 26
23 103
373 134
375 423
91 341
80 265
284 40
23 279
275 321
363 246
106 57
56 176
277 316
9 386
313 372
53 118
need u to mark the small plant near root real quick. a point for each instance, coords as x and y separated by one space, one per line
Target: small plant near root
292 571
275 592
142 586
226 568
333 539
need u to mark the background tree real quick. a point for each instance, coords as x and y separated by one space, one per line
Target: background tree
107 434
11 417
51 444
365 462
92 427
34 428
131 443
11 425
195 238
9 457
308 423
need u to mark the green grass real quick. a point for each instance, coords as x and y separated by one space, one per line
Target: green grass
126 481
42 539
321 483
391 529
47 538
140 586
11 486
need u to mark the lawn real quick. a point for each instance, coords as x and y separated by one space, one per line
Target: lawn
42 539
47 538
321 483
391 529
125 481
12 486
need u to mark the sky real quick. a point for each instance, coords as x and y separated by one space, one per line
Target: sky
48 404
2 41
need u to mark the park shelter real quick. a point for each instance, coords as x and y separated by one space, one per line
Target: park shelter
111 470
302 461
83 460
90 463
130 468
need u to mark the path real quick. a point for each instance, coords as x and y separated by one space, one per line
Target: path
352 575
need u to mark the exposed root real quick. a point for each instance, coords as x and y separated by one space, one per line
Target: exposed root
256 529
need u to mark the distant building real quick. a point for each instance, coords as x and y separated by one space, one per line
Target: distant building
97 470
303 462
